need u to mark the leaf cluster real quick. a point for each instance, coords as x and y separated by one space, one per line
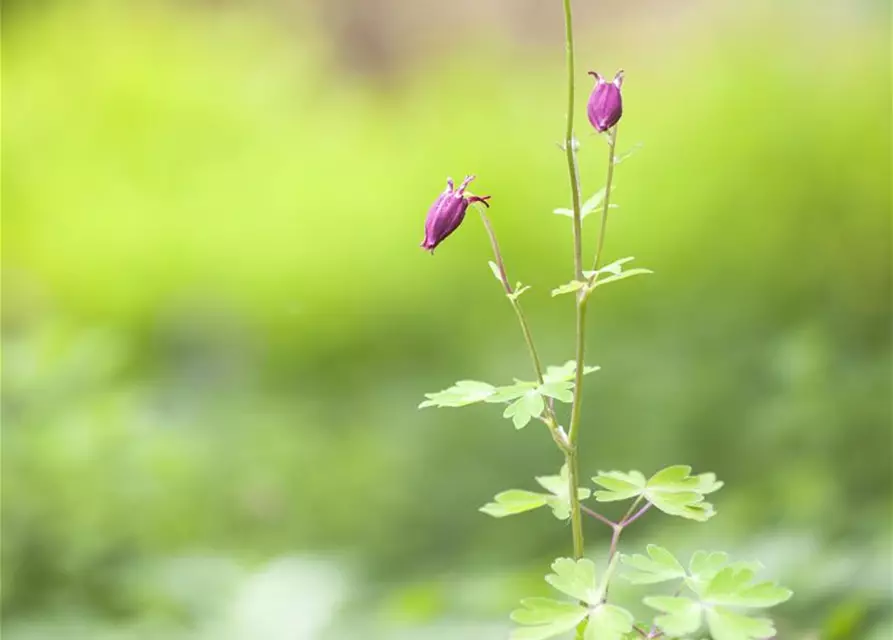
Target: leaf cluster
525 400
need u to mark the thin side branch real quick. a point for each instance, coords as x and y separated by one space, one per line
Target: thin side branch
597 516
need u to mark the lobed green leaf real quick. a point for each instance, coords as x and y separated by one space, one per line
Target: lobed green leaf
462 393
546 618
672 490
728 625
659 566
561 390
704 565
608 622
681 616
512 502
676 492
524 409
559 487
565 372
733 586
576 578
569 287
718 584
510 392
619 485
516 501
615 271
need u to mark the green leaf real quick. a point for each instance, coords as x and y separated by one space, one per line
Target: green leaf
609 622
718 584
462 393
565 372
616 271
682 616
626 154
544 610
561 390
525 408
659 566
559 487
761 595
513 501
708 483
676 478
495 269
546 618
733 586
592 204
619 485
595 202
510 392
516 501
703 565
613 268
621 276
727 625
672 490
676 492
570 287
519 290
576 578
727 581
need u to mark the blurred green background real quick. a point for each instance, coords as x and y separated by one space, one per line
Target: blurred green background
217 321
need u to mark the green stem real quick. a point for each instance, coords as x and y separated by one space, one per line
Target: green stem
570 151
615 539
509 291
573 430
528 338
570 143
612 145
551 419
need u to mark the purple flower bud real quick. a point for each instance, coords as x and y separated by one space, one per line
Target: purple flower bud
447 213
605 105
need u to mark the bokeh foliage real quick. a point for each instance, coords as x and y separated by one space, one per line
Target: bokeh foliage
218 324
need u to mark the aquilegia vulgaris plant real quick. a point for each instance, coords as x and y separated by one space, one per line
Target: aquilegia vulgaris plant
712 595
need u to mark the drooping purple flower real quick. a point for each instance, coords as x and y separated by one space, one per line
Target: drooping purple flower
605 104
447 212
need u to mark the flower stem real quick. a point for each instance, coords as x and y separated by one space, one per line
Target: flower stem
570 151
573 429
612 145
509 291
551 419
570 143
